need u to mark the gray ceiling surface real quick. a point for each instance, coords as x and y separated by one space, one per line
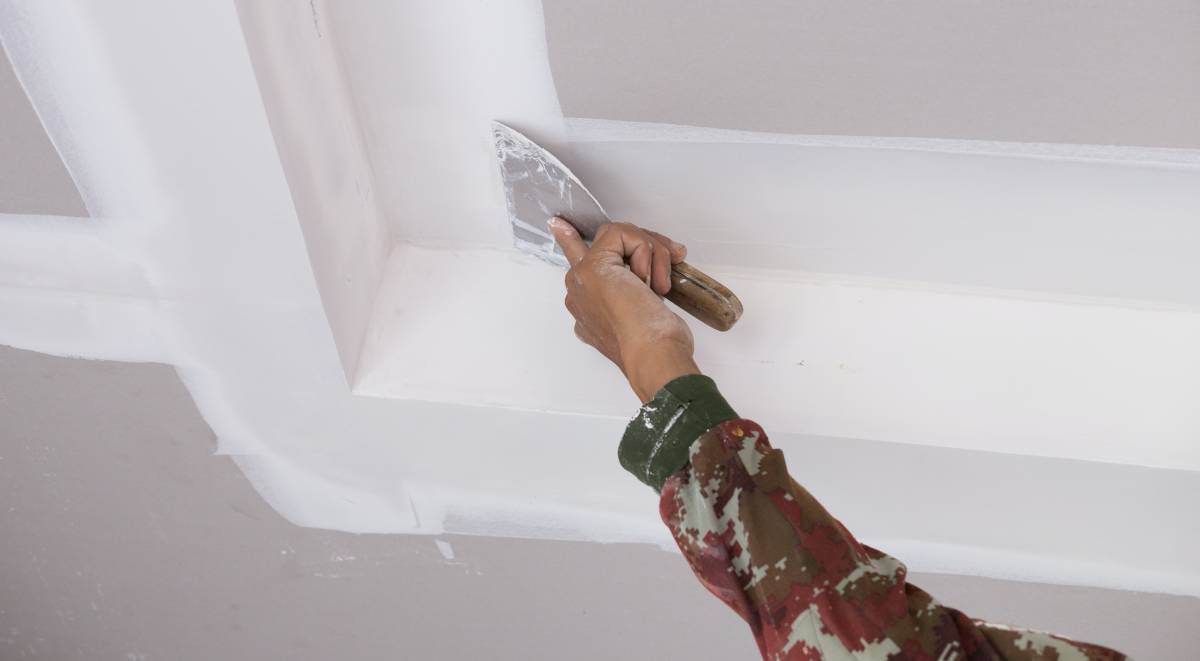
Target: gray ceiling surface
1125 73
33 179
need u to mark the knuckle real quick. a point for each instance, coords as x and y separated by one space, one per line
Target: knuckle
582 335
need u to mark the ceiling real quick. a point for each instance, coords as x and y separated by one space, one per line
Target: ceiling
1094 73
116 506
295 205
33 179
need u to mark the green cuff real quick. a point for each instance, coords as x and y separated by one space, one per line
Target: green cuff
657 440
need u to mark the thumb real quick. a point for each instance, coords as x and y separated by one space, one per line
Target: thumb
568 238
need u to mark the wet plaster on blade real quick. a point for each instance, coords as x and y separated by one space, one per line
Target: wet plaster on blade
534 178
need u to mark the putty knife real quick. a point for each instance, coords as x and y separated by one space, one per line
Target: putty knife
538 186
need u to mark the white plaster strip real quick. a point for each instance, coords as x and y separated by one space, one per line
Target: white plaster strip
902 363
68 254
581 129
82 325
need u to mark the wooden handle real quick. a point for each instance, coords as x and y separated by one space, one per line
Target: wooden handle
703 298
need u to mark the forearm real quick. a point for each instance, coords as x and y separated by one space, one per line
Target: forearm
766 547
762 544
648 376
652 362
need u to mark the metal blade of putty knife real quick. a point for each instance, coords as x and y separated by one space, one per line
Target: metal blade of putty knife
538 186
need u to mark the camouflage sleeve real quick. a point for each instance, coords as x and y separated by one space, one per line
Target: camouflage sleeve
764 546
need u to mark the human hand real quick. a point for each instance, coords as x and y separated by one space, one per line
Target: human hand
618 309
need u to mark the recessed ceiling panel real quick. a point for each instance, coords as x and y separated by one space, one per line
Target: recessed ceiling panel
1077 72
33 179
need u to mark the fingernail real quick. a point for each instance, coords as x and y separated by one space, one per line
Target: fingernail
556 223
676 246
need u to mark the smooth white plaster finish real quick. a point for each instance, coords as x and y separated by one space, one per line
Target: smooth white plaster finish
334 192
818 355
428 78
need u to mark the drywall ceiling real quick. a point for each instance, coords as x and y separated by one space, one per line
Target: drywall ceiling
115 506
296 205
32 177
1096 73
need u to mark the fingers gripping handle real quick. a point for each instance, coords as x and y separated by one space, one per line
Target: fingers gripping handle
703 298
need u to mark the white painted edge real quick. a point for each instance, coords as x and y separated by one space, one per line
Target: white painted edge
582 129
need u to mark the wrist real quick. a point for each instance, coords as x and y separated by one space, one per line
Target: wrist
651 367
